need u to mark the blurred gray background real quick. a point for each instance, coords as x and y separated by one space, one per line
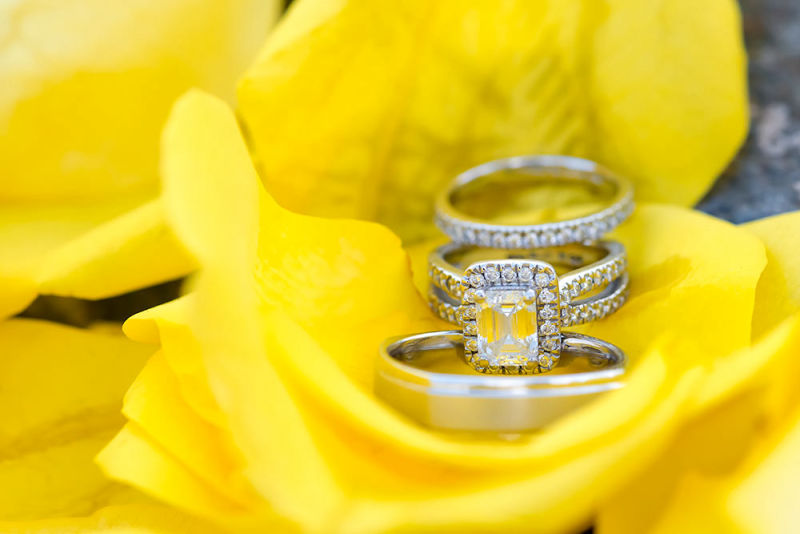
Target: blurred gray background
764 178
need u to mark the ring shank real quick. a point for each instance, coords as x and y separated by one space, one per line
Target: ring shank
594 267
464 228
475 402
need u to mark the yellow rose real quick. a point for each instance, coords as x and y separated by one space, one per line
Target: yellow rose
256 411
87 85
259 401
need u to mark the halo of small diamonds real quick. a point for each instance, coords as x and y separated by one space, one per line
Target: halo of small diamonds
542 299
461 296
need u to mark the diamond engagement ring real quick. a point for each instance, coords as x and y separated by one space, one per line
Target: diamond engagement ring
512 309
420 376
510 178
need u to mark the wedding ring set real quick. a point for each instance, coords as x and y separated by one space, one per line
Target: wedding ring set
511 287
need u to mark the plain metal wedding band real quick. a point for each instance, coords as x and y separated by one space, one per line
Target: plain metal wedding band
481 403
464 228
512 309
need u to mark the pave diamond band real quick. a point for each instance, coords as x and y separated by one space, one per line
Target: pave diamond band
511 310
468 229
412 374
592 266
574 313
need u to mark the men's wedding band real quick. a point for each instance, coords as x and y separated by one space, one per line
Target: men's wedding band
470 402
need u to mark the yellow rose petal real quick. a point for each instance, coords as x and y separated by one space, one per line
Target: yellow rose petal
778 293
313 269
144 518
134 250
717 449
85 251
763 497
154 403
87 86
748 402
144 326
60 395
692 275
131 455
287 345
362 111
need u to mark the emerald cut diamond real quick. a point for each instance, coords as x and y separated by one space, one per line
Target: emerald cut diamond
506 327
510 316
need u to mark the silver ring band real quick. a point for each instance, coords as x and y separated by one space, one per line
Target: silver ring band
593 308
470 402
594 266
463 228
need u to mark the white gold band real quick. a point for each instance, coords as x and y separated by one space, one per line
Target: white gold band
467 229
481 403
593 266
593 308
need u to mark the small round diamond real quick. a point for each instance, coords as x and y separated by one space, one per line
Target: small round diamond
549 239
575 288
508 273
548 328
468 312
525 274
492 274
547 296
470 329
587 284
545 361
514 241
531 241
484 239
476 280
552 343
473 295
471 344
548 312
542 279
498 241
